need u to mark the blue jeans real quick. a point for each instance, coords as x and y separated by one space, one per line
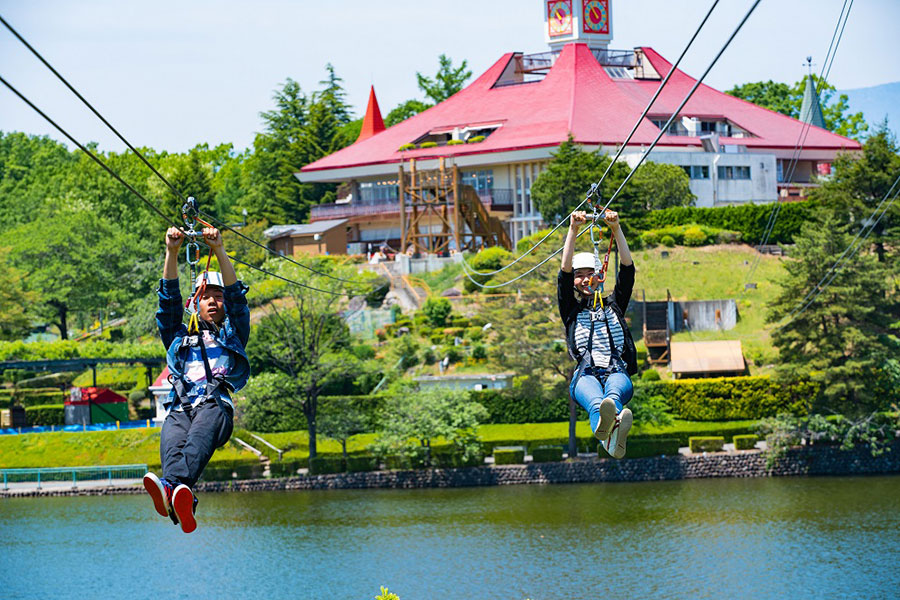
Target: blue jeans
589 390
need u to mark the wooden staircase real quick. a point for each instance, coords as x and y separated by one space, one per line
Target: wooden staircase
656 330
480 223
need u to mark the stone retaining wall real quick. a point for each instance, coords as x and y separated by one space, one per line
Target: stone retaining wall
751 463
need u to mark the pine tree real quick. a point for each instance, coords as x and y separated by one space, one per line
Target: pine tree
845 336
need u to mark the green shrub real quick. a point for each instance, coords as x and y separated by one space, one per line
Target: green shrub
479 352
668 241
489 259
650 375
321 465
359 464
650 238
437 310
745 442
405 147
509 455
428 356
728 237
749 220
640 447
694 236
706 443
39 398
454 459
453 354
48 414
475 139
454 142
428 145
543 454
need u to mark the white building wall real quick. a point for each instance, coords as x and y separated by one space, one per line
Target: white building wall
715 191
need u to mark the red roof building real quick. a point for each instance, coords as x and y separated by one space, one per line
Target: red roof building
503 128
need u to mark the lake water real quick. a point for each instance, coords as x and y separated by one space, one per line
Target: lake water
722 538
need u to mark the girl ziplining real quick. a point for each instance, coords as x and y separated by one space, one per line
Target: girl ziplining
596 334
207 362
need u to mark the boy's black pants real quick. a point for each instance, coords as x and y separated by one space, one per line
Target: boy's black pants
187 443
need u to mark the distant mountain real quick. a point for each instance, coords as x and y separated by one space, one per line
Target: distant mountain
877 102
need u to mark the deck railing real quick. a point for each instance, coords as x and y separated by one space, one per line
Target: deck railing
64 475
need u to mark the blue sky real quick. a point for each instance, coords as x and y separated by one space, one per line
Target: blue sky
173 74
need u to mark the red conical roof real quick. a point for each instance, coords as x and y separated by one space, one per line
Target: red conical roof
372 122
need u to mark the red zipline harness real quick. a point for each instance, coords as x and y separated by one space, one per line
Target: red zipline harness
599 276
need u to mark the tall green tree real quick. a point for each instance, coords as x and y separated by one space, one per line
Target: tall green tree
447 81
846 336
405 110
788 100
858 185
16 300
658 185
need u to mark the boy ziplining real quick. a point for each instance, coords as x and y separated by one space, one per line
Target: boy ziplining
206 364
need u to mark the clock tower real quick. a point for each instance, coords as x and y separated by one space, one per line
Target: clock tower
588 21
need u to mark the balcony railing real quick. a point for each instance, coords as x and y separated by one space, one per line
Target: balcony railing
498 199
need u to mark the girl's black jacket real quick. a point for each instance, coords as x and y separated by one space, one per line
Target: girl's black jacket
570 306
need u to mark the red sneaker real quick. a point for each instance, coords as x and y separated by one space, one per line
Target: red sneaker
160 492
183 504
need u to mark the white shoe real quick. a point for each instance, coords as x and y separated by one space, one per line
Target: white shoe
607 419
615 445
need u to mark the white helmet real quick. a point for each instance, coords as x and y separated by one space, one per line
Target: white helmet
213 278
583 260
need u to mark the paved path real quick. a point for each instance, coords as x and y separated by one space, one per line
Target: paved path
28 486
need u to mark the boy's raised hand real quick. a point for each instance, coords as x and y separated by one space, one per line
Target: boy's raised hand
213 239
174 238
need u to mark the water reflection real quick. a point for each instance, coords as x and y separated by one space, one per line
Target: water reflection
760 538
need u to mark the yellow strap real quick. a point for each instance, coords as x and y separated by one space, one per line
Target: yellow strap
194 324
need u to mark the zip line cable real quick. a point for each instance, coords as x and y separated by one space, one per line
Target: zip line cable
274 253
141 156
88 104
84 149
834 269
131 189
622 147
804 133
662 130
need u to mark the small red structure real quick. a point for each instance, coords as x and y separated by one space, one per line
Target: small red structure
90 405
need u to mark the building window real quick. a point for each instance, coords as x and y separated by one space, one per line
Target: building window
378 191
696 171
482 181
676 128
734 172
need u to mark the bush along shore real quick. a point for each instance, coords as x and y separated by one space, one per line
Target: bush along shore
799 461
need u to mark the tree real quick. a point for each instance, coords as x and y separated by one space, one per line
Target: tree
340 419
858 185
568 177
306 340
414 418
658 185
446 82
788 100
845 337
15 300
405 110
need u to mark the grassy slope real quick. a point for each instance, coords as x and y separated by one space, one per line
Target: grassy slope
719 274
138 446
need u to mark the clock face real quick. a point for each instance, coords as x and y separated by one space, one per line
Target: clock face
595 16
559 17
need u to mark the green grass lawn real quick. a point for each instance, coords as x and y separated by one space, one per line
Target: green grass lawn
136 446
89 448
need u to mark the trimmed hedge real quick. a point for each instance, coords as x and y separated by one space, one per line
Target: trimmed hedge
228 470
730 398
48 414
745 442
508 406
509 455
706 443
643 447
543 454
41 398
287 468
321 465
359 464
749 219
